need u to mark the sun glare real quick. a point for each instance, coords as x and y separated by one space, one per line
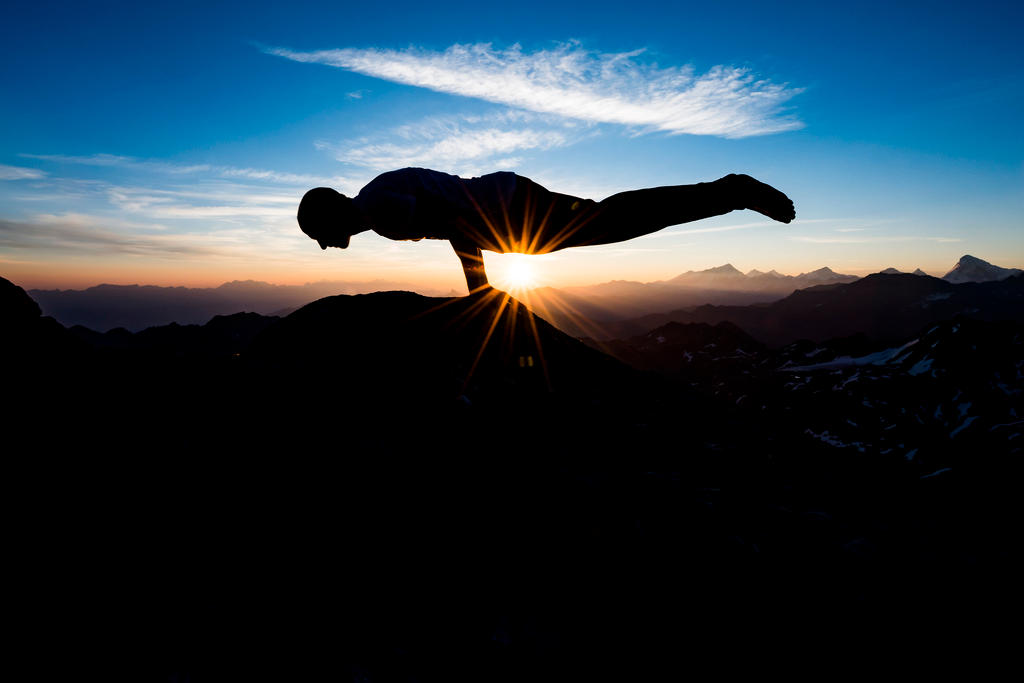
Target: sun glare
518 273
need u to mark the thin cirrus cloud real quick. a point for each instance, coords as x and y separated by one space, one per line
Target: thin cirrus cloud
229 211
20 173
872 239
231 203
451 146
200 219
576 83
721 228
91 235
112 160
219 198
465 144
81 234
138 198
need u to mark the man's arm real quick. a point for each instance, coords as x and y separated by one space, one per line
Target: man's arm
472 265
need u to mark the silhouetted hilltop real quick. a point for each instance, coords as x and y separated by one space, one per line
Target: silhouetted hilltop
485 347
26 336
882 306
17 306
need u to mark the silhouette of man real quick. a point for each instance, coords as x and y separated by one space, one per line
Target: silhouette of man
504 212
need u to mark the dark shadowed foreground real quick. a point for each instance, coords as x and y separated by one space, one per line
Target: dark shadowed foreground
393 487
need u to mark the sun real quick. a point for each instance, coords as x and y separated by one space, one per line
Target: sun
519 273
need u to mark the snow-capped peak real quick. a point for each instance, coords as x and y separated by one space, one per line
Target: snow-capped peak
972 269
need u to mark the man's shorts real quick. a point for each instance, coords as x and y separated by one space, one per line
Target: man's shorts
525 217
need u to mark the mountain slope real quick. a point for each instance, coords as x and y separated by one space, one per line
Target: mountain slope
433 347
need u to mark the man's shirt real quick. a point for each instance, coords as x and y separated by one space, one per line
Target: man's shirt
417 203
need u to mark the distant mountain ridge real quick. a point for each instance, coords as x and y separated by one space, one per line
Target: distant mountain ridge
579 310
729 277
885 307
575 310
604 311
137 307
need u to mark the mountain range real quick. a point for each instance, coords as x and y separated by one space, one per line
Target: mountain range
884 307
617 308
136 307
729 277
580 311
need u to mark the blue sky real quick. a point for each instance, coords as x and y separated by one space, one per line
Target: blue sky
170 143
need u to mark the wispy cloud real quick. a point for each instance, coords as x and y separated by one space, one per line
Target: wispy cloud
207 201
720 228
636 250
88 236
871 239
573 82
166 219
79 234
112 160
276 176
19 173
228 211
199 217
139 198
453 143
115 160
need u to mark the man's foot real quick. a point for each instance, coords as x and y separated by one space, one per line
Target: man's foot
764 199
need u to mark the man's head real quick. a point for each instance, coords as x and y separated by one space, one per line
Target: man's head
329 217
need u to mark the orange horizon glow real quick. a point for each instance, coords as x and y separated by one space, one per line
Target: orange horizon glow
518 274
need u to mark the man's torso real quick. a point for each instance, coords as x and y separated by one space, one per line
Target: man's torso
417 203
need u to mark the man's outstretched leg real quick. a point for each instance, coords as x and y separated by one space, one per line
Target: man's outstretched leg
626 215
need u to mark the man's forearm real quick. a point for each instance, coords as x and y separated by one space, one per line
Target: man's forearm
472 265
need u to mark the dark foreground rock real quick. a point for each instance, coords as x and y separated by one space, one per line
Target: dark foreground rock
383 487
